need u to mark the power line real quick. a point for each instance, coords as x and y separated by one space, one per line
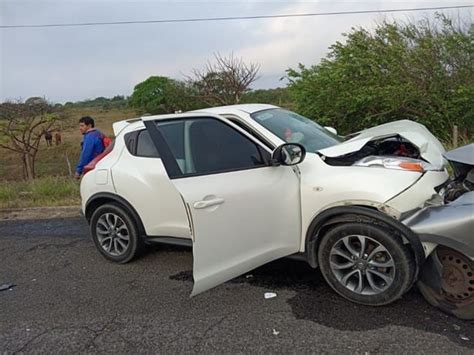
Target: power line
208 19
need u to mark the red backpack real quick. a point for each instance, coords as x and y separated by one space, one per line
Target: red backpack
106 141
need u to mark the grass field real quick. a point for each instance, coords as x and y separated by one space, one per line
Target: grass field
52 161
53 186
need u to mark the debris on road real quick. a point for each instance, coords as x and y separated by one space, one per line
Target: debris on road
268 295
275 332
5 287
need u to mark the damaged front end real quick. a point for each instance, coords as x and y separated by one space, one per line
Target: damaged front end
403 140
447 277
403 146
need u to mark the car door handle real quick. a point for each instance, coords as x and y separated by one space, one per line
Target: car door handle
208 203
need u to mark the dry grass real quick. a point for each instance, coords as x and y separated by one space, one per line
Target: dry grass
52 161
53 186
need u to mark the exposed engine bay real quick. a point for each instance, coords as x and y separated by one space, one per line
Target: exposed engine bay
462 162
395 146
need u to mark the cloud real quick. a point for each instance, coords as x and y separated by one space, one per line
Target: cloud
82 62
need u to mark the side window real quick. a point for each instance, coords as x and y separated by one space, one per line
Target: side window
207 145
174 134
145 147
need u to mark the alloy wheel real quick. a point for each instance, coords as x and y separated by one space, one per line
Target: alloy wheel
362 265
112 234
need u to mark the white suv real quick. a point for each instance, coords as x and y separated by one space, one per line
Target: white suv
248 184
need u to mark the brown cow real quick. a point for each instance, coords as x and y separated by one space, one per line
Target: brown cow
57 137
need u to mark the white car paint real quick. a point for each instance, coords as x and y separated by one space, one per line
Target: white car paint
324 186
248 233
241 220
144 184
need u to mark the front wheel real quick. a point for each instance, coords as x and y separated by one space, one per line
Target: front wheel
365 263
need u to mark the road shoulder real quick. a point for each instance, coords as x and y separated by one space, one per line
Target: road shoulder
40 212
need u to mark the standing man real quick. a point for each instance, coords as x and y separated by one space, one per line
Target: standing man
92 143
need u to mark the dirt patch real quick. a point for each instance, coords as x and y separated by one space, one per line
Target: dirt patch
40 212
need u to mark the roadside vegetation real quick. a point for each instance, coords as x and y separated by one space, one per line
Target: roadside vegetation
45 191
420 71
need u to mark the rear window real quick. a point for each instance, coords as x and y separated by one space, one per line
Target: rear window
145 146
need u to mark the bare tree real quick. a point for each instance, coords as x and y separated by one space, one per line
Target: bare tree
224 81
21 127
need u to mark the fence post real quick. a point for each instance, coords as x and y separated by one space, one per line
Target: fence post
455 136
68 165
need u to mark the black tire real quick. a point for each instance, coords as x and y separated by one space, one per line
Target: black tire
447 282
135 242
401 274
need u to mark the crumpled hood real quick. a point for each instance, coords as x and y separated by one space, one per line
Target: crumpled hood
463 155
430 147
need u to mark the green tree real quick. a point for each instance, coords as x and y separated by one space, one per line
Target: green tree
421 71
276 96
160 94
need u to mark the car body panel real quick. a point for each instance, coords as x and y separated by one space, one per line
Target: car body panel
93 182
451 225
430 147
418 194
463 155
252 226
143 182
324 186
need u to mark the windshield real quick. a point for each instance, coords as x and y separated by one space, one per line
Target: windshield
294 128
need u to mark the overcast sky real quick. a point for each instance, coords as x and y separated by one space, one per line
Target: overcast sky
75 63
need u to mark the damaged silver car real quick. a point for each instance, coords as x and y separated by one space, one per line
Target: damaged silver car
447 277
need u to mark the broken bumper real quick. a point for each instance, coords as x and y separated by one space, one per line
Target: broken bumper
450 225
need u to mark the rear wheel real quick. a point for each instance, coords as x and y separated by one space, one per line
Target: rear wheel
447 282
115 233
365 263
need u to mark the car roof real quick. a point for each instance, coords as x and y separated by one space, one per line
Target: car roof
248 108
136 123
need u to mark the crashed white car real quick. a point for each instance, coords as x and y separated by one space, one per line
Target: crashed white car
248 184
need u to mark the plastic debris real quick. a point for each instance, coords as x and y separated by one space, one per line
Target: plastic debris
268 295
5 287
463 337
275 332
248 276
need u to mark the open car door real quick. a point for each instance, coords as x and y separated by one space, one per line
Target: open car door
243 212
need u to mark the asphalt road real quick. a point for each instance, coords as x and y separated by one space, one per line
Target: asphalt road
68 298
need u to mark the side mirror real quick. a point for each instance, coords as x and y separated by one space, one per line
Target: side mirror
332 130
288 154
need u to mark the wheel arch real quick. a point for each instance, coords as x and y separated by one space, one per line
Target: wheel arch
101 198
358 214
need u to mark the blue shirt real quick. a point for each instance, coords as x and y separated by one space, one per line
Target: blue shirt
92 146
